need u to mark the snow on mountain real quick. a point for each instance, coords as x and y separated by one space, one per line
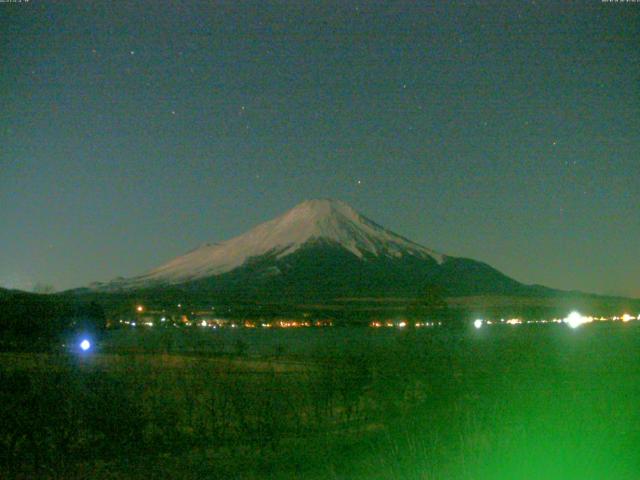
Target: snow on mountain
324 220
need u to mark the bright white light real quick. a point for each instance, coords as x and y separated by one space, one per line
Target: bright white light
402 324
626 317
85 345
477 323
203 323
574 320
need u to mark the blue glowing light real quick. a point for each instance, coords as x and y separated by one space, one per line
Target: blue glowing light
85 345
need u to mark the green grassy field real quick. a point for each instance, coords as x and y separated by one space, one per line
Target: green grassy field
503 402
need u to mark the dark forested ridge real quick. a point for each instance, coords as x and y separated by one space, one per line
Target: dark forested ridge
37 319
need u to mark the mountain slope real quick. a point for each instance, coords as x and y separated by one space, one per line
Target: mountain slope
320 248
328 220
321 269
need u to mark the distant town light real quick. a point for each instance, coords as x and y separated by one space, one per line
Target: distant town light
626 317
85 345
574 320
139 308
477 323
402 324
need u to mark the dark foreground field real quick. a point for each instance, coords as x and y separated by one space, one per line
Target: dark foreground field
520 402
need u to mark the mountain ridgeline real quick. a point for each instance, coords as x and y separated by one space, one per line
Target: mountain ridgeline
319 250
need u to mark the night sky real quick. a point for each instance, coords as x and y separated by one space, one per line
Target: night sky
131 132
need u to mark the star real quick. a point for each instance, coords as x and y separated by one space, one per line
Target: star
132 52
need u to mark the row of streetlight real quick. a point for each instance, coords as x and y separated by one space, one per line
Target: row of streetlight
573 320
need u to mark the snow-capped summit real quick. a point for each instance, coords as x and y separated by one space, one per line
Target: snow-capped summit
321 220
320 249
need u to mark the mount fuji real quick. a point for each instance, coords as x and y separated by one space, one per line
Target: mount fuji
319 248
